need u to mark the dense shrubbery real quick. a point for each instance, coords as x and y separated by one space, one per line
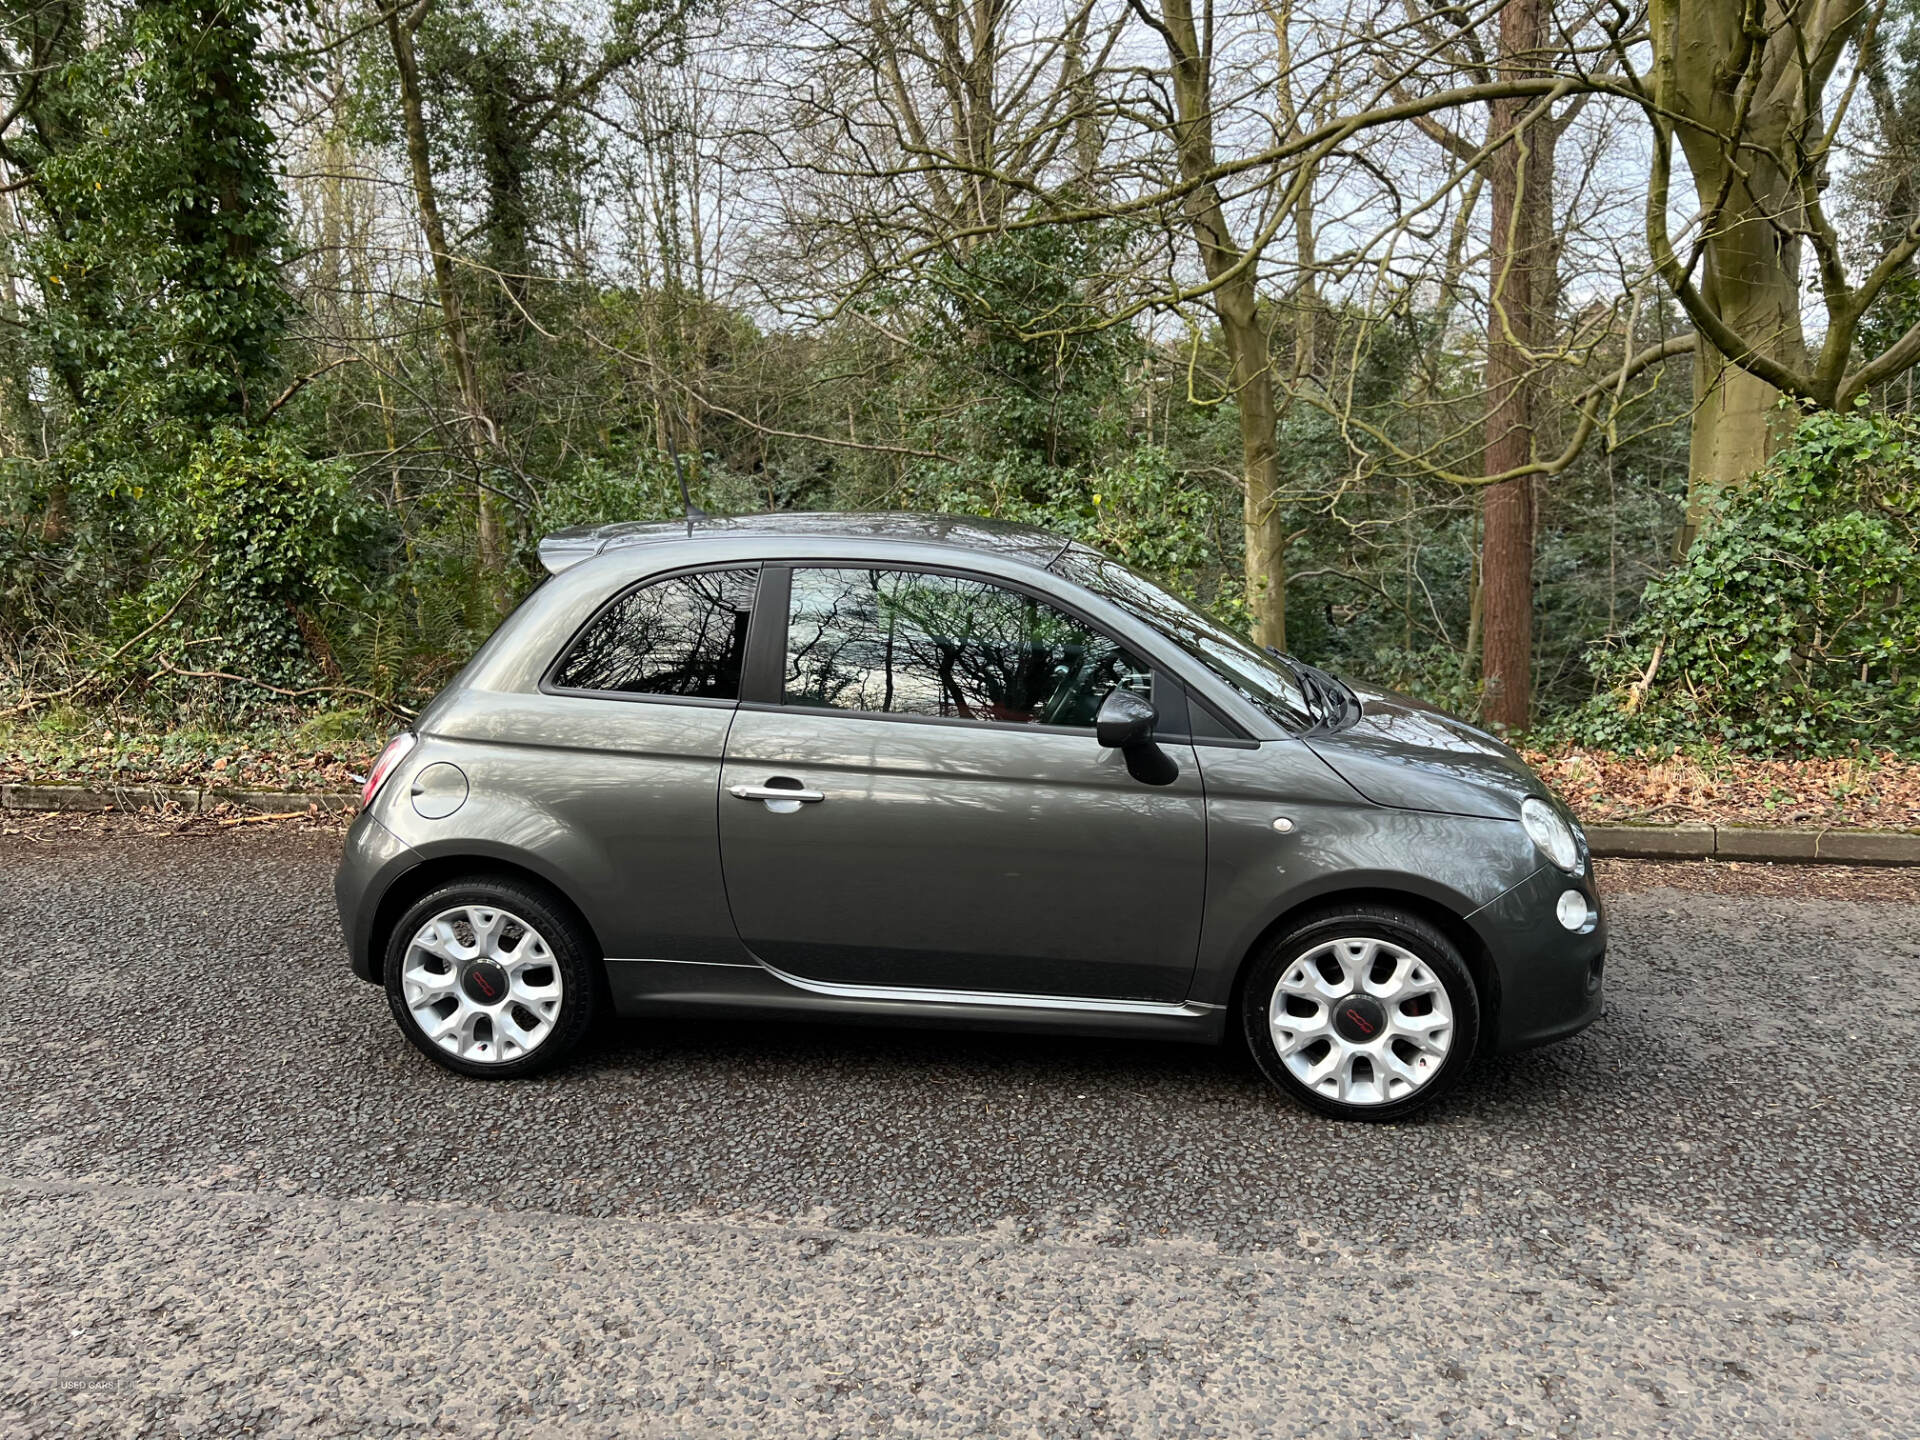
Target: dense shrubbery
271 562
1793 623
243 556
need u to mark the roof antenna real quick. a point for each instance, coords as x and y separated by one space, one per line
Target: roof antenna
693 512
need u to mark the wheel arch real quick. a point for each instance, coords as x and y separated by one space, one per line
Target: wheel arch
1444 918
443 868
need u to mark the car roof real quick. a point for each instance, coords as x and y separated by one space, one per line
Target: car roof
969 533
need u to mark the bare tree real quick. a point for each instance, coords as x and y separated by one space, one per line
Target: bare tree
1233 271
1519 321
1742 88
482 434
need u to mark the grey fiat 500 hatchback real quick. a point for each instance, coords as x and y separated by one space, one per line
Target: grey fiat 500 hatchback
946 771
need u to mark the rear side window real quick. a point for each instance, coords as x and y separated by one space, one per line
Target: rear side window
683 636
897 642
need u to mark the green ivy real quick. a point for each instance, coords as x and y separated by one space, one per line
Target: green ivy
1015 357
1793 623
273 548
163 304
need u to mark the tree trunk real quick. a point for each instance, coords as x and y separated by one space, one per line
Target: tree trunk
489 537
57 519
1265 525
1236 302
1735 429
1742 84
981 122
1506 590
1751 278
1522 229
1470 652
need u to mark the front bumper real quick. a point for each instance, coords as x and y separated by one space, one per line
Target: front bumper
373 859
1549 982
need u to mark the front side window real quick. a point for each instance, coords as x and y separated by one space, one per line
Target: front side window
682 636
1253 673
899 642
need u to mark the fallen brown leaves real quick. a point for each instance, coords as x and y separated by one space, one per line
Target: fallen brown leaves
125 761
40 827
1880 792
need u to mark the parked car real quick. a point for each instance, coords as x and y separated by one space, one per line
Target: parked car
948 771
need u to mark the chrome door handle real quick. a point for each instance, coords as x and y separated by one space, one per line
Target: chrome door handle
773 793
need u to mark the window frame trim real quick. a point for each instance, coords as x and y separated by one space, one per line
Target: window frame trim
774 699
762 675
549 686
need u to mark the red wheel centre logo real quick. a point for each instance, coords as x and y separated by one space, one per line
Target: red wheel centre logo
485 982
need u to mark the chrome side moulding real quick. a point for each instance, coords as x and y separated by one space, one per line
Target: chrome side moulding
657 989
997 1001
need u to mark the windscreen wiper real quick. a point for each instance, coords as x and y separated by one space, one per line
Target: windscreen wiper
1330 697
1309 682
1344 706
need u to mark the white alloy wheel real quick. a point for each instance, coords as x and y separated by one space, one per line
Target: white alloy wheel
481 984
1361 1021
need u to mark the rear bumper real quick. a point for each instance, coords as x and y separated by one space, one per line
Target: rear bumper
373 859
1549 983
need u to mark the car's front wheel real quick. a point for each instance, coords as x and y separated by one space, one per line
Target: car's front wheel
492 978
1362 1013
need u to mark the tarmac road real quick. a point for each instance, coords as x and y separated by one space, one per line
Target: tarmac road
233 1201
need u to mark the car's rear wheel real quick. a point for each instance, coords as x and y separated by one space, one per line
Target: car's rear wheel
1363 1013
492 978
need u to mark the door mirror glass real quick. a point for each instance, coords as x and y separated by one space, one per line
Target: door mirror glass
1125 721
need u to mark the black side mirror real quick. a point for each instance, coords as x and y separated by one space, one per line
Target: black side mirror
1125 721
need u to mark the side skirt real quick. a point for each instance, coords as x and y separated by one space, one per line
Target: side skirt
693 989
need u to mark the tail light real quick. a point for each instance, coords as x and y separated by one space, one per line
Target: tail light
395 752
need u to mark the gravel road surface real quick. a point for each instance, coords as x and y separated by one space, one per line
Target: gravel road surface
233 1201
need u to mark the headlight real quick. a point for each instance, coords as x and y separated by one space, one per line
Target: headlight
1550 832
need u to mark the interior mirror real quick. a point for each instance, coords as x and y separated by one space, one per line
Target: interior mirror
1125 720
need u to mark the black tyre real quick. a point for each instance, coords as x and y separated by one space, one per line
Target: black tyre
1362 1013
492 977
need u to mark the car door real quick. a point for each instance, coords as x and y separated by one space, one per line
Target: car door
611 766
953 823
